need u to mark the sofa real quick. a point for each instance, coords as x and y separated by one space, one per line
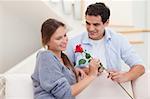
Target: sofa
17 84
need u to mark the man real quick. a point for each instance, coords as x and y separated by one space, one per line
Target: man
108 46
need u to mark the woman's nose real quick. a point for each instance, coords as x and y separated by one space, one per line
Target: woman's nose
65 40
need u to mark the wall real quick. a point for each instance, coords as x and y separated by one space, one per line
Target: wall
148 26
1 11
20 26
117 8
140 20
20 30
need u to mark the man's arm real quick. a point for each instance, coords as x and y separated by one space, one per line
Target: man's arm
135 72
132 59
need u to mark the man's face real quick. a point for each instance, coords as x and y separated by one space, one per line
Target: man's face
95 26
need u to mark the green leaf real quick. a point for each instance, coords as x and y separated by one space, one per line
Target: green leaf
87 55
82 61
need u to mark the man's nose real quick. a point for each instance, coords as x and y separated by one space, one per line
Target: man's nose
91 28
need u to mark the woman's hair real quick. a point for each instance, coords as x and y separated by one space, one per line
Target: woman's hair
68 64
48 29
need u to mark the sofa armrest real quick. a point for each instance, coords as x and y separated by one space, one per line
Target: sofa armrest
18 86
2 87
141 86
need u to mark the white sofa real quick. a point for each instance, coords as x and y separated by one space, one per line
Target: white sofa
17 84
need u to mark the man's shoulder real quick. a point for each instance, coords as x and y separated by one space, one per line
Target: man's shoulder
116 38
114 34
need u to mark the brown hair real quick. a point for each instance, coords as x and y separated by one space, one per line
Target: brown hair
68 64
48 29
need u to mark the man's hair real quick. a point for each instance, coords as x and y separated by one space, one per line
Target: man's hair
98 9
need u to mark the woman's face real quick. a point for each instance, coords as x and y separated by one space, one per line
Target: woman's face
58 41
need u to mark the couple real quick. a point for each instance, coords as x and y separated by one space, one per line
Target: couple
55 76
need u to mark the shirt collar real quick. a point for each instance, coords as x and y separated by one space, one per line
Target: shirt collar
85 39
107 34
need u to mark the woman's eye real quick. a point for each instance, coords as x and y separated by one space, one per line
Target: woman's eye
65 35
58 38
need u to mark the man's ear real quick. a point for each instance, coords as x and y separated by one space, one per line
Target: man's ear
106 23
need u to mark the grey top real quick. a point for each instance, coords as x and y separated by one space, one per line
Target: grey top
51 79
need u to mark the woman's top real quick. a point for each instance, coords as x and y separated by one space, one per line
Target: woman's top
51 78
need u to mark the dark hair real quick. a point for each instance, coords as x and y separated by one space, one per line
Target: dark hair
69 64
48 28
98 9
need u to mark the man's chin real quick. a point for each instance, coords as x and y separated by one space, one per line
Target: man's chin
92 37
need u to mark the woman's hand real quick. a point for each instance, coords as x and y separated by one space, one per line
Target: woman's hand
93 67
81 74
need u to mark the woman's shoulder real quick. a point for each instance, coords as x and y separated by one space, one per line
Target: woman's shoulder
44 54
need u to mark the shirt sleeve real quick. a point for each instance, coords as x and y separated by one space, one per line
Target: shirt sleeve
51 77
128 53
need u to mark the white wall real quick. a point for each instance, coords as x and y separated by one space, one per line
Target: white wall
1 11
117 8
148 14
20 30
21 21
148 26
140 20
139 12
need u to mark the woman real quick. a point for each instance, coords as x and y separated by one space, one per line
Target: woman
54 76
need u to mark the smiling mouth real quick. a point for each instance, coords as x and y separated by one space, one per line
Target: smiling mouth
64 46
92 33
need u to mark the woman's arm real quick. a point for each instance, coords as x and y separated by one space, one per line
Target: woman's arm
82 84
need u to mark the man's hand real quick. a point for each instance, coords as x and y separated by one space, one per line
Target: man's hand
119 76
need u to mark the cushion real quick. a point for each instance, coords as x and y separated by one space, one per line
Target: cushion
2 86
18 86
141 86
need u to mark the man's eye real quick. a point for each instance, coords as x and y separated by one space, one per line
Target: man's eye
97 24
87 23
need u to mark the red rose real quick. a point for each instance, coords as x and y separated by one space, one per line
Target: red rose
79 48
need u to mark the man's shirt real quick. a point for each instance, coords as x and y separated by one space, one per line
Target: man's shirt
117 49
